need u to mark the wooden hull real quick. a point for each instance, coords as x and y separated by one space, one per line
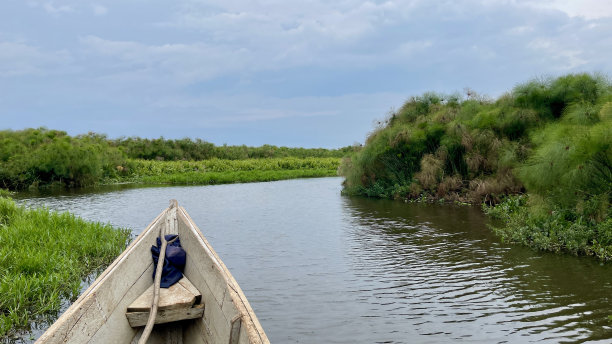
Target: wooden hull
98 316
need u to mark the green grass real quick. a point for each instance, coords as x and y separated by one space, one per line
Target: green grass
199 178
44 256
151 167
217 171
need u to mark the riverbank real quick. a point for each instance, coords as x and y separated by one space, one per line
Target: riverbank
395 258
44 257
39 158
219 171
549 140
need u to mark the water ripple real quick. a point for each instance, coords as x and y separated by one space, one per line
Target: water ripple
321 268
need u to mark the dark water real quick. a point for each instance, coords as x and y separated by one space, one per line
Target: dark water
318 267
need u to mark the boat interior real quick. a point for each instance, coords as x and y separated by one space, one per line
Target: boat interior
211 307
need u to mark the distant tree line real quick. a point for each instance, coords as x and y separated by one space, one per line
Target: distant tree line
37 157
194 150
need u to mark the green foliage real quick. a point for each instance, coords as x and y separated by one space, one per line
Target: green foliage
187 149
557 230
550 97
572 167
217 171
41 157
198 178
43 258
550 137
151 167
493 146
37 157
5 193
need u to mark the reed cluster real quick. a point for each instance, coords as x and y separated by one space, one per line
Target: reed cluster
550 139
44 256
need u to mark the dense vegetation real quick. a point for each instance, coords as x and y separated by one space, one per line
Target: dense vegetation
34 157
216 171
40 157
187 149
549 140
43 258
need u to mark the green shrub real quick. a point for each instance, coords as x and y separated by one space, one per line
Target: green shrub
550 138
38 157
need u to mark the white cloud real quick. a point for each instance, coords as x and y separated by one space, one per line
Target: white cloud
558 55
99 10
227 62
20 59
588 9
292 34
181 63
217 110
51 7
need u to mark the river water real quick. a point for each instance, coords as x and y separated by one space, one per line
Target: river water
318 267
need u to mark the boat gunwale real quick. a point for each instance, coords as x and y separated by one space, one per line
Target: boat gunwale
244 307
75 306
254 329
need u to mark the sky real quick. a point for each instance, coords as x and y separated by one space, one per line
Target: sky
316 73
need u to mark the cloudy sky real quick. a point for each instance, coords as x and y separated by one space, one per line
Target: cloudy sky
296 73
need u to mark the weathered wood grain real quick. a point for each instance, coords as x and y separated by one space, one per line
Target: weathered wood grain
176 296
99 315
137 319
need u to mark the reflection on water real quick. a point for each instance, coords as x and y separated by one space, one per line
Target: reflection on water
442 277
321 268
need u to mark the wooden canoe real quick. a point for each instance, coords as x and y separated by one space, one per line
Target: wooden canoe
99 314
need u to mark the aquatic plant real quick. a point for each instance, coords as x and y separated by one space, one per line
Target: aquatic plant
188 149
43 258
217 171
37 157
34 158
550 138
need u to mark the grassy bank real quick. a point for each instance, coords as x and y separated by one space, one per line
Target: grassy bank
43 258
217 171
34 158
549 140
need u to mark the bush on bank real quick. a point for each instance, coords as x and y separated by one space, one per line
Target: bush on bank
188 149
550 139
35 158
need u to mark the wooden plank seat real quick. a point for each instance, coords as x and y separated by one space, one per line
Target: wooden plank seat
181 301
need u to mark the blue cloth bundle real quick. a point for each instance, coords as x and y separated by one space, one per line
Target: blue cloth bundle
174 262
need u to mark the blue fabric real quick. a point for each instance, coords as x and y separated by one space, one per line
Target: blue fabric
174 262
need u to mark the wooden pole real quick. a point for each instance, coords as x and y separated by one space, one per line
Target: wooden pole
158 272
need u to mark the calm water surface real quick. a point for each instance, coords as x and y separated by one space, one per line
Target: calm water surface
318 267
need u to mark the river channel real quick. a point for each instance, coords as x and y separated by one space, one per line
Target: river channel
318 267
